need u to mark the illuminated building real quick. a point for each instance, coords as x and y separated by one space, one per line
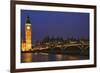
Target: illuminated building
27 43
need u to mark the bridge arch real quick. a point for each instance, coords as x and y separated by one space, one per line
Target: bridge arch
74 47
73 50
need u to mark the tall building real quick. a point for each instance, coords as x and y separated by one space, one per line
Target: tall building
27 42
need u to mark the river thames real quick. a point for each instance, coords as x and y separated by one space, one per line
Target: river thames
52 56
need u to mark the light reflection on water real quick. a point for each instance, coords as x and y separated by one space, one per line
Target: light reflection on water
42 57
27 57
53 56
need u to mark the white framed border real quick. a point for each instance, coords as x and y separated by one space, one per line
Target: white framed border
20 65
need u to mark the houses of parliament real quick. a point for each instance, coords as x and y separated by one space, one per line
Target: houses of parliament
26 43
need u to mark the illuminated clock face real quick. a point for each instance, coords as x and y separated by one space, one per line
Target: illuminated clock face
28 27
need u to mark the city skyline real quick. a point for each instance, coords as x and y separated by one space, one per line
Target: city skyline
56 24
47 32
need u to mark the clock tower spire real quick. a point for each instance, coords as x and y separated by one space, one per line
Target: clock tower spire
28 20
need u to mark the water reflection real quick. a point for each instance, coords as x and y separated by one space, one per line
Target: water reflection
27 57
53 56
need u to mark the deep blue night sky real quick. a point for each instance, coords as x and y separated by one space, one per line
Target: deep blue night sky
51 23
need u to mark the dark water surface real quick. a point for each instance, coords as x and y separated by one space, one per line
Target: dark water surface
51 56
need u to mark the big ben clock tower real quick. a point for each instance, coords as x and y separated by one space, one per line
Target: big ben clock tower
26 44
28 34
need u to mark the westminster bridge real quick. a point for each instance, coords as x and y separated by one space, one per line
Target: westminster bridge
83 45
72 47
